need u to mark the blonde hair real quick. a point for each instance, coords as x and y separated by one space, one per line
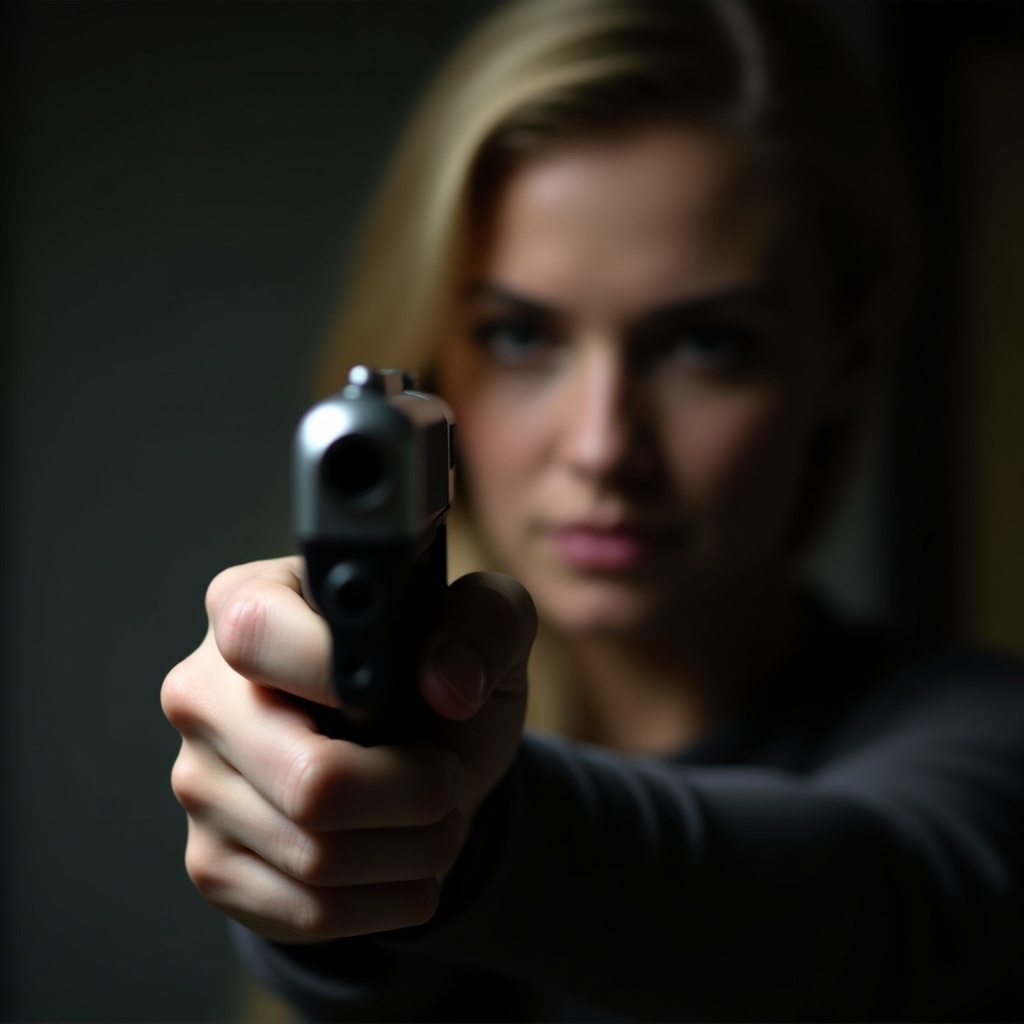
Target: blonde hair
539 73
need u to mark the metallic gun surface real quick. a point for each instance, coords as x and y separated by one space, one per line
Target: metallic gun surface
373 483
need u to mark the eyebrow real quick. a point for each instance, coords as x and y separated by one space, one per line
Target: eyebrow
747 295
700 305
490 290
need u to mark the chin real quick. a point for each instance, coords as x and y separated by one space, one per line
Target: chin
599 609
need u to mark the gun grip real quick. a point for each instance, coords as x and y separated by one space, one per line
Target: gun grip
380 601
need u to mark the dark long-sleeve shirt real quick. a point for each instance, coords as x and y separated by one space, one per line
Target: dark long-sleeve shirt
848 846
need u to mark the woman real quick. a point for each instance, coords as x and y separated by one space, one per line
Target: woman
654 272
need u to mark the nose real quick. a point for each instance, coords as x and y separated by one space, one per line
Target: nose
606 433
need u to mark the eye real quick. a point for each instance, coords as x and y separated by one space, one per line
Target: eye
710 347
513 341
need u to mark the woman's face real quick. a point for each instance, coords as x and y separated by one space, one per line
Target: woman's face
641 354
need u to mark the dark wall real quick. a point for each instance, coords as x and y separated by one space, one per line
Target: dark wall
933 53
182 180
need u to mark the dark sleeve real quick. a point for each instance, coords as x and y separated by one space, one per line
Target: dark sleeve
886 883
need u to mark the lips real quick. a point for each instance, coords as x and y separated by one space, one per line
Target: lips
609 549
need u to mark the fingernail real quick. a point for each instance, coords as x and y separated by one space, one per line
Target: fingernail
462 670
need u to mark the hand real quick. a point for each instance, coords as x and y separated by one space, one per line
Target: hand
301 837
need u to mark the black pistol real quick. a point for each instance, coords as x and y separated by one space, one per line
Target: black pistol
374 478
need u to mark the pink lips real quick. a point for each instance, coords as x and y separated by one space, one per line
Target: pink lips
607 549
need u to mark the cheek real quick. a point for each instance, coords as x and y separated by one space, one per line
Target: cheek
501 426
738 464
497 455
485 453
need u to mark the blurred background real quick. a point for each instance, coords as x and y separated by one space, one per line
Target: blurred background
181 186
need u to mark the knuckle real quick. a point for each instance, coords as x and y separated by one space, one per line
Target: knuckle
188 784
422 901
311 916
503 617
306 857
241 626
206 869
307 787
178 698
219 587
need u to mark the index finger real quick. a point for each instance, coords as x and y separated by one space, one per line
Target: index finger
266 632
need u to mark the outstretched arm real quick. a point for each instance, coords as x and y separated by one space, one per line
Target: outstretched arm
885 883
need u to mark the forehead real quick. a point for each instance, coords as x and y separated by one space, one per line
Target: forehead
656 211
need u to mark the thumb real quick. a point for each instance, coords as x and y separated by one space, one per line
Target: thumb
480 645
